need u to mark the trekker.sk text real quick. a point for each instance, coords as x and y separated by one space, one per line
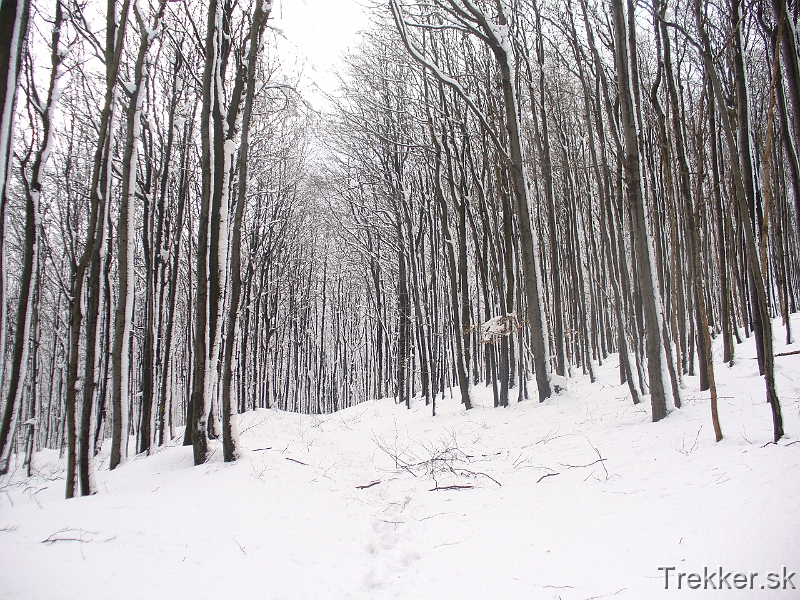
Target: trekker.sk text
719 579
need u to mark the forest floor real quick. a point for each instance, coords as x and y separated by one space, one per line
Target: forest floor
581 497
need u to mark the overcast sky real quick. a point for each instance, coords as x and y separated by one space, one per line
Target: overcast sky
320 30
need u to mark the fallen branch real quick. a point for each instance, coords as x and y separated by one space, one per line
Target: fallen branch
475 473
559 587
582 466
453 543
52 539
408 468
547 475
297 461
240 547
451 487
254 423
792 353
369 485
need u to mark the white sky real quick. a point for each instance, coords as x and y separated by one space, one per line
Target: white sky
319 30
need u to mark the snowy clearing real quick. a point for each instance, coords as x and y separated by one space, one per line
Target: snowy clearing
580 497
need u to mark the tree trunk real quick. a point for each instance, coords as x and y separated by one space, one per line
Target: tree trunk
201 398
95 235
641 238
13 30
754 268
230 433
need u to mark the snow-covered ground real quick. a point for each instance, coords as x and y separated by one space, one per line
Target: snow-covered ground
580 497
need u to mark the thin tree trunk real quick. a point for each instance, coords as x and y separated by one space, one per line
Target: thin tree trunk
230 434
201 398
641 242
13 30
754 268
98 197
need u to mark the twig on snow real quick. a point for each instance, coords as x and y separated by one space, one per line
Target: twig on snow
547 475
451 487
368 485
559 587
582 466
474 473
240 547
453 543
52 539
792 353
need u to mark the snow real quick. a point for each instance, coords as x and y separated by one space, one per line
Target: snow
7 110
498 326
129 86
151 33
578 497
559 382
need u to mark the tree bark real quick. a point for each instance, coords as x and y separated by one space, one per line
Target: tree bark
754 269
641 237
14 16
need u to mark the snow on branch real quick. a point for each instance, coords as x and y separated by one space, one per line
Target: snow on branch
420 57
499 326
